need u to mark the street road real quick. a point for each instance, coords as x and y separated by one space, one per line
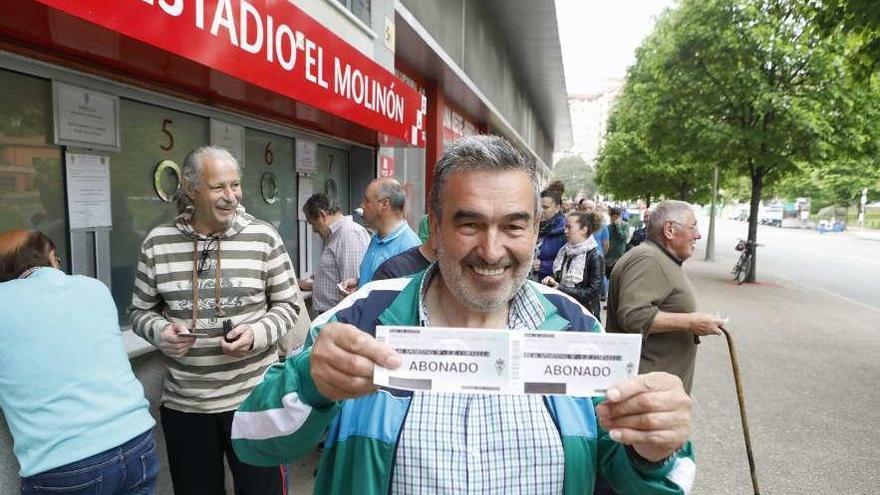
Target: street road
846 264
807 337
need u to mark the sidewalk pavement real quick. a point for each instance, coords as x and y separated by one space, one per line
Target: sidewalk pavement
809 368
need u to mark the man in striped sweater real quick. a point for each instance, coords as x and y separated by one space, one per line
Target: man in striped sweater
214 266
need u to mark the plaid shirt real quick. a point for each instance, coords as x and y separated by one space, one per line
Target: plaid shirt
474 443
340 260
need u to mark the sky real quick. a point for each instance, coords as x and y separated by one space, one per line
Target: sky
599 38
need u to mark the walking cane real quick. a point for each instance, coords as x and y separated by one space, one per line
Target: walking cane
742 409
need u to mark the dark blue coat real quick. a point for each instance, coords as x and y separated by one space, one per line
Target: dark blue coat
550 238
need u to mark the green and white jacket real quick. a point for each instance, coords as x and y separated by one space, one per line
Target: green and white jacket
285 416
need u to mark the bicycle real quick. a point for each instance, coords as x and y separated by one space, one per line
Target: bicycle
744 265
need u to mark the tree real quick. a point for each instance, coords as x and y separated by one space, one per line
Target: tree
641 156
577 176
852 159
855 163
859 22
744 84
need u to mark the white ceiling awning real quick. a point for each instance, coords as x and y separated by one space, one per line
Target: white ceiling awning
530 32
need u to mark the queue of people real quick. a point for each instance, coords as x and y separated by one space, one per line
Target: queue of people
216 292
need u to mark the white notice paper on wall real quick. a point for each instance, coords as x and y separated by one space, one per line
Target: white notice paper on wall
85 118
305 156
88 191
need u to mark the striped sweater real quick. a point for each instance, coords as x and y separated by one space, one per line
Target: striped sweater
258 287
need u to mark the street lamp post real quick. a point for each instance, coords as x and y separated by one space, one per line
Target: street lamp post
710 237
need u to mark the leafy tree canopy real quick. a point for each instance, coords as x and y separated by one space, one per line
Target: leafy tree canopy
859 22
752 87
577 176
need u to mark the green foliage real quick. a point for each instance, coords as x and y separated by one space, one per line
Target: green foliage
837 183
749 86
755 87
577 176
758 82
851 160
736 190
859 22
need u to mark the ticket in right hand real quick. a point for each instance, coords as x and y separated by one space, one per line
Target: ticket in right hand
582 364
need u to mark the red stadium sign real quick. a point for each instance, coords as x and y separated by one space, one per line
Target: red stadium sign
271 44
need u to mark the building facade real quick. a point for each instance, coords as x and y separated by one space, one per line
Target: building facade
589 115
101 100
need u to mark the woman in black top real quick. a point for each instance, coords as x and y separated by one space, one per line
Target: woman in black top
579 266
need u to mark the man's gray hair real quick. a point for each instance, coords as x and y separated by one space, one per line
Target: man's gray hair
191 172
388 188
667 211
481 153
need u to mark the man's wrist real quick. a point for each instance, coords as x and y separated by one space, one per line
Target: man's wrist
308 391
260 339
645 464
690 321
159 326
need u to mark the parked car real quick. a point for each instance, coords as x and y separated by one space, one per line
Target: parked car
738 212
830 226
772 215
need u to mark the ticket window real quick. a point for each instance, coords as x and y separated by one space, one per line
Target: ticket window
31 172
143 179
331 178
269 185
363 170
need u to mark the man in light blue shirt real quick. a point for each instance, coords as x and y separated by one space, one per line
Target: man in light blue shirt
383 205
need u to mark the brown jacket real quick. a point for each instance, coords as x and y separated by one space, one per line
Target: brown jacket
645 281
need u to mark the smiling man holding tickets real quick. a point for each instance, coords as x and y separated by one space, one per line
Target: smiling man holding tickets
484 216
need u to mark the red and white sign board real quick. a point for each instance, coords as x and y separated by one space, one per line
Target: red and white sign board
386 166
271 44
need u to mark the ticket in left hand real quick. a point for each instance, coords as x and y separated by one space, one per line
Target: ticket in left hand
447 360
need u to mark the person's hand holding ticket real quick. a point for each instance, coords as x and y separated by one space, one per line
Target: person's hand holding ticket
343 359
649 412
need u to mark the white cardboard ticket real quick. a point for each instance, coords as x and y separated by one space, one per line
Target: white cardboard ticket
472 360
